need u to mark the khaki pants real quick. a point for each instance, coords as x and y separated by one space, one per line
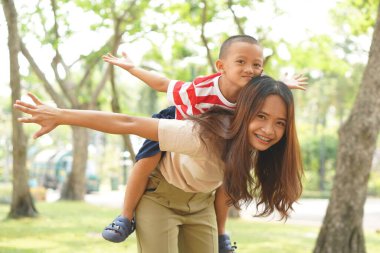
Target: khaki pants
170 220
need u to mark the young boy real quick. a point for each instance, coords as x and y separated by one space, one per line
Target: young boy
240 59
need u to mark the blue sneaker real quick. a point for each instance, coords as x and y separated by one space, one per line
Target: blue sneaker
225 244
119 229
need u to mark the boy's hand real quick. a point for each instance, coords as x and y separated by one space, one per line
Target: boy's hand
124 62
295 82
40 113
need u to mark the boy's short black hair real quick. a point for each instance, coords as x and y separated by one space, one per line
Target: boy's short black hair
236 38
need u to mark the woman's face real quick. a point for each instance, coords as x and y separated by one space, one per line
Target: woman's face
269 125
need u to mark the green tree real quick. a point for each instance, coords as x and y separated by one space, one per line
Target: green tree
342 229
79 89
22 202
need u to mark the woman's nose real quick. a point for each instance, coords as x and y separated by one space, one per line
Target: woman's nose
268 129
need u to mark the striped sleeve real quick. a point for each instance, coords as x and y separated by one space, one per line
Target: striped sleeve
196 97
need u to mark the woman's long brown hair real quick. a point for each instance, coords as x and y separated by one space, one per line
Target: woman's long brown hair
272 177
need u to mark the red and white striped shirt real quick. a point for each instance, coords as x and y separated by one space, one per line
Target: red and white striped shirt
196 97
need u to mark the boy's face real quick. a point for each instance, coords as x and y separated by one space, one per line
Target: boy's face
241 63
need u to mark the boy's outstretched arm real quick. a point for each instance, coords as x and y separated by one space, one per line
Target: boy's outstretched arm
295 82
156 81
49 118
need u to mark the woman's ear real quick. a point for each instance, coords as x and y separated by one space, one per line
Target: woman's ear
219 66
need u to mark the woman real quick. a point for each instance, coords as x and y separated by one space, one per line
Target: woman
254 151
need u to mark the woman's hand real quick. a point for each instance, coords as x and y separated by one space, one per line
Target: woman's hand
41 114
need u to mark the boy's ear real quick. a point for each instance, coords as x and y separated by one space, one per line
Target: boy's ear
219 65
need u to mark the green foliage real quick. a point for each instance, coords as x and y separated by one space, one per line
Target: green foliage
180 51
360 15
374 183
316 145
5 192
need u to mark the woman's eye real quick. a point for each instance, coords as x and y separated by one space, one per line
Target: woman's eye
281 123
260 116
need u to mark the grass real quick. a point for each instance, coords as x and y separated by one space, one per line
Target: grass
64 227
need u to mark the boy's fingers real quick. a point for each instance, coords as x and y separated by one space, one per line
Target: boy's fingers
300 88
34 98
297 76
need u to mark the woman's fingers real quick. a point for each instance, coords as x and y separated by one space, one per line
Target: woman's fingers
21 104
24 108
27 120
42 131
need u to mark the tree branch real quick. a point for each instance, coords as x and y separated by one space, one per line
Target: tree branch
203 37
65 86
47 85
236 19
116 42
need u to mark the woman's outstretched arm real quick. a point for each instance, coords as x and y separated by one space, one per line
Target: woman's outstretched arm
49 118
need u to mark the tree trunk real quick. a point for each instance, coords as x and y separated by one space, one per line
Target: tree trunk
322 165
22 202
322 158
115 105
342 229
75 186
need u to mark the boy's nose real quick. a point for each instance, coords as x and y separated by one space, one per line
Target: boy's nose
249 69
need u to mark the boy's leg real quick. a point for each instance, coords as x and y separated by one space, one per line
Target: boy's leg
137 183
123 225
221 210
147 160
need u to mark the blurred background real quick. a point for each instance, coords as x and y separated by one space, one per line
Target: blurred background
60 61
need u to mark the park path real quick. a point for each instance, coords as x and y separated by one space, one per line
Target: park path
306 211
311 212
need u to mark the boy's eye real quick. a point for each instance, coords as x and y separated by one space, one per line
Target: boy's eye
240 61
